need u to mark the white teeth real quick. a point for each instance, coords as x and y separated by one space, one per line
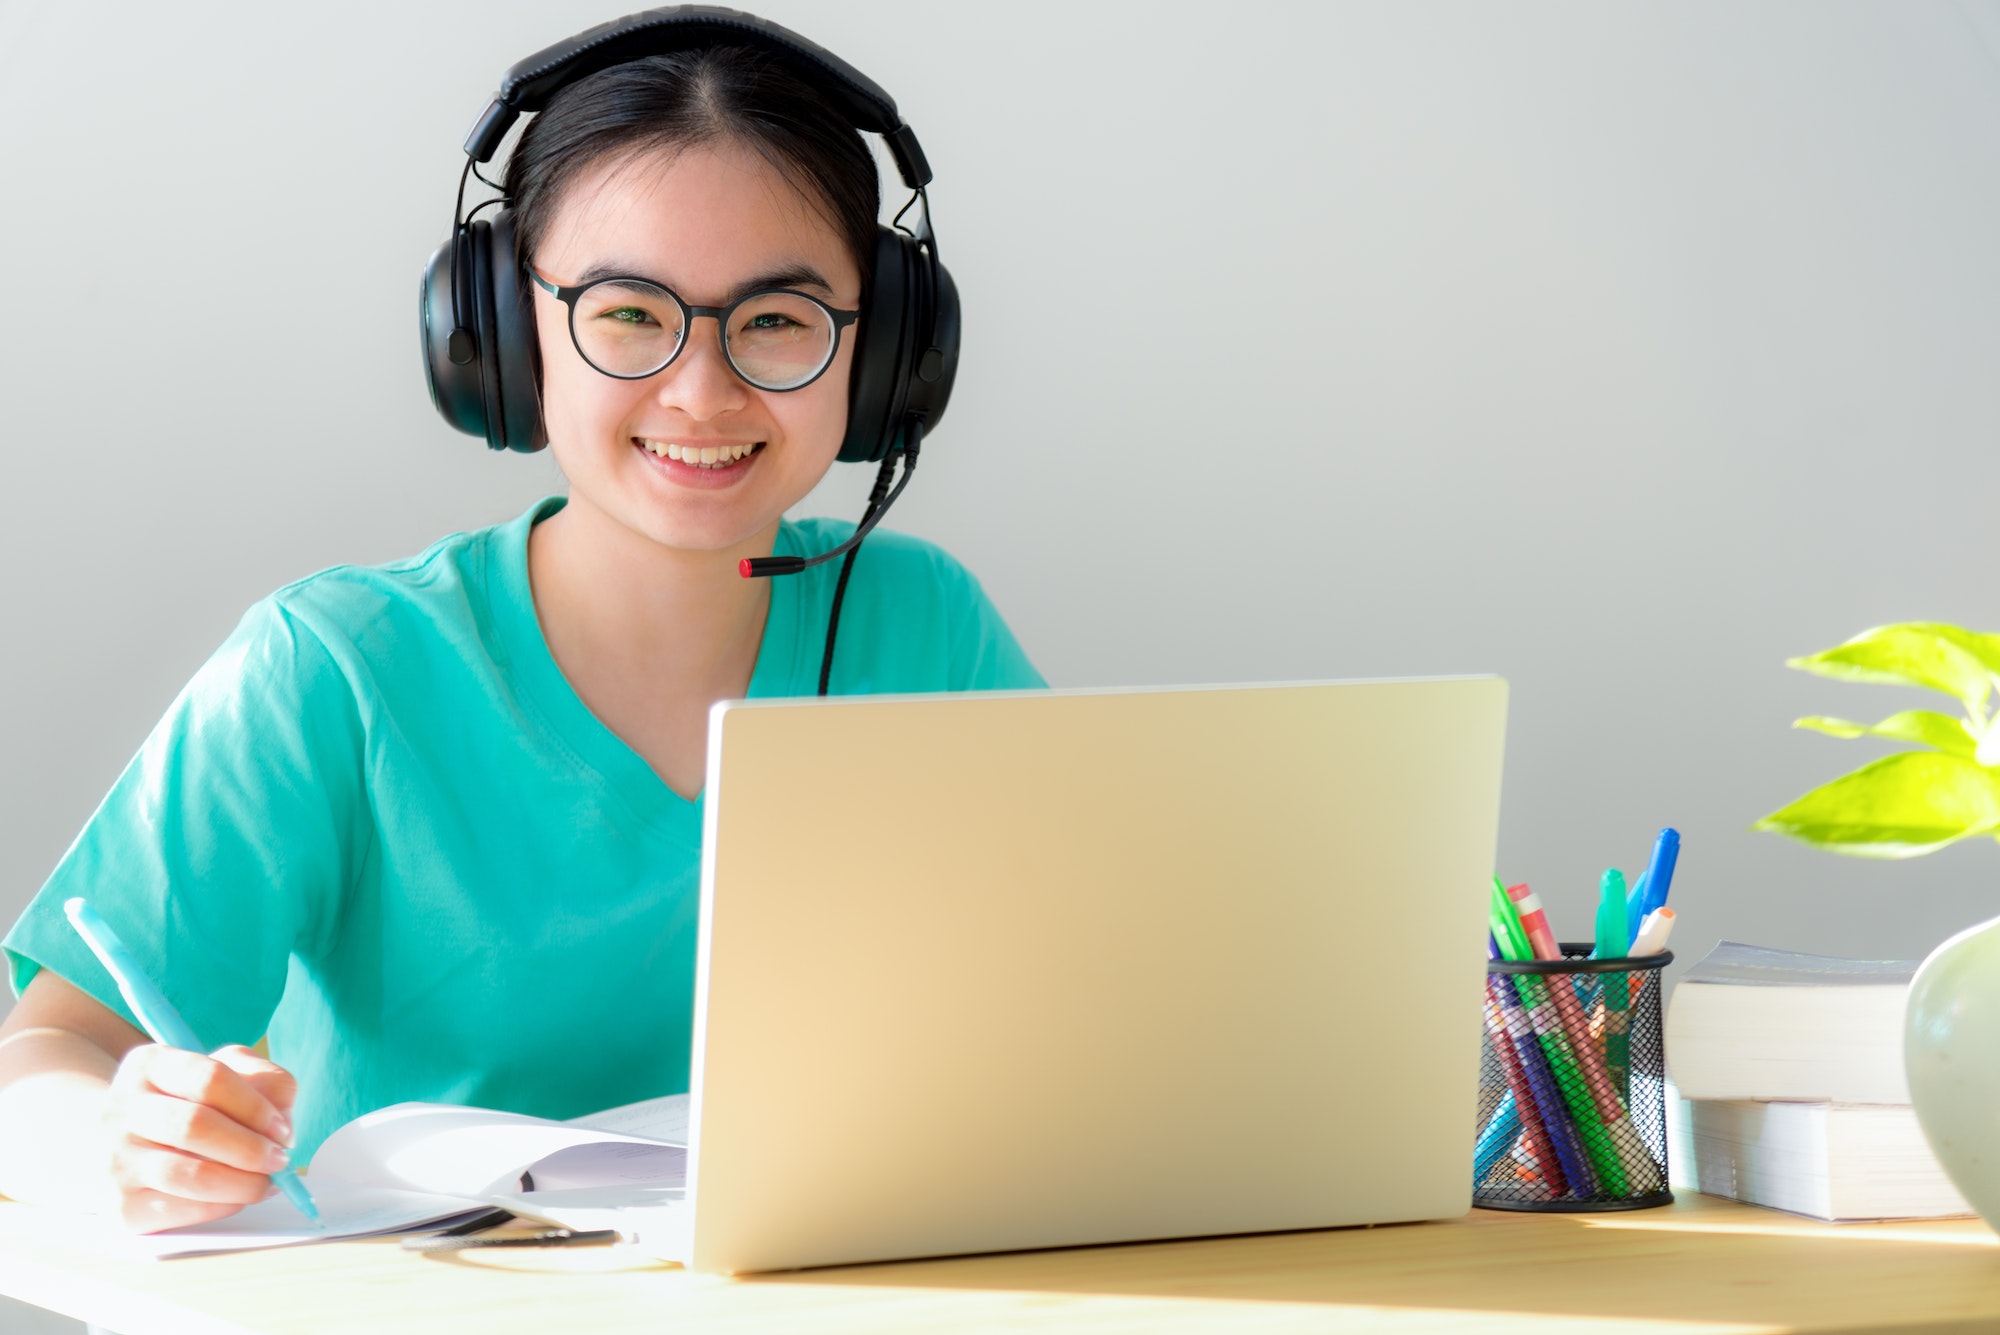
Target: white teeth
699 456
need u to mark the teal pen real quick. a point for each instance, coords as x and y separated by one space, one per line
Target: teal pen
158 1018
1613 942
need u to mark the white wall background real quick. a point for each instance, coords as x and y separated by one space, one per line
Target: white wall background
1621 349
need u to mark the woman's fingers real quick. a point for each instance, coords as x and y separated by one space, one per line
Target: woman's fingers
195 1138
198 1129
278 1086
141 1165
206 1081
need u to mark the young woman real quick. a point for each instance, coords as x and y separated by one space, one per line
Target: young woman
434 827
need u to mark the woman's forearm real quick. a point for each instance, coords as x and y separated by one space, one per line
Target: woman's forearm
53 1089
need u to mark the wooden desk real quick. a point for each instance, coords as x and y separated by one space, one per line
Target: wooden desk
1702 1265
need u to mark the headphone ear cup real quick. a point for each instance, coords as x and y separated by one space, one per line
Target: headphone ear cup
515 361
479 238
452 380
936 356
875 388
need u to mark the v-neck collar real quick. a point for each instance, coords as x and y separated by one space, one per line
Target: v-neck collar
524 654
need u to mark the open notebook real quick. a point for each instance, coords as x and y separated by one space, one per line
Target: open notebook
417 1166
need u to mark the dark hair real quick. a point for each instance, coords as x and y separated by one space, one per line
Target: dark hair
689 98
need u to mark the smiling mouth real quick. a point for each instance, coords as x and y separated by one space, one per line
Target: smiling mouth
712 457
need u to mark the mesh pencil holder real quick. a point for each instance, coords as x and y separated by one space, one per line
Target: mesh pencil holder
1572 1093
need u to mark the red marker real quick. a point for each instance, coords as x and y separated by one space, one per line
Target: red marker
1535 922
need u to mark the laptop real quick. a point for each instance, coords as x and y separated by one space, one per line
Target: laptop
995 971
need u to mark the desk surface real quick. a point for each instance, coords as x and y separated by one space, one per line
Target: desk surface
1702 1265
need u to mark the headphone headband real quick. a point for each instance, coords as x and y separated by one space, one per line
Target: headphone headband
529 84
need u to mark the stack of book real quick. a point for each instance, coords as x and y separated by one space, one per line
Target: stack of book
1791 1087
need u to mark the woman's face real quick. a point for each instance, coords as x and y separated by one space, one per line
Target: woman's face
711 223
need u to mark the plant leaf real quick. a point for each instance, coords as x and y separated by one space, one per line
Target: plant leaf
1832 727
1896 807
1913 653
1927 727
1984 647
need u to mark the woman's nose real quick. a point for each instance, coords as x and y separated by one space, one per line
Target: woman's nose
701 382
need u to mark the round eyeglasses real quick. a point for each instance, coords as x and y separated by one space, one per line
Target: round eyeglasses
631 328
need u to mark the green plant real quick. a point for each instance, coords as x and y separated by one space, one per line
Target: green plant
1917 801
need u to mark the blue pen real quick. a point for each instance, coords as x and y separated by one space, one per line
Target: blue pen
1497 1139
1660 873
157 1017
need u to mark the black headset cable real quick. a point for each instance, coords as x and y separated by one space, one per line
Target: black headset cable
875 499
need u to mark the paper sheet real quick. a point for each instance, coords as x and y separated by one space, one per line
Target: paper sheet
348 1211
664 1120
452 1151
611 1164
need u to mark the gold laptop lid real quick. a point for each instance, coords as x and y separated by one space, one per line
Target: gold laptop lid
996 971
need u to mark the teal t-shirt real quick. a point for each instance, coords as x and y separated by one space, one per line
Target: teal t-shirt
380 827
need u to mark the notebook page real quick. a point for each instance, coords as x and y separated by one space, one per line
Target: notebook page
609 1163
445 1150
663 1119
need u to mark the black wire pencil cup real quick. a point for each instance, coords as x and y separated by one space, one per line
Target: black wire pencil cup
1572 1089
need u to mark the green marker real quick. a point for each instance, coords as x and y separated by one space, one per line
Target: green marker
1505 921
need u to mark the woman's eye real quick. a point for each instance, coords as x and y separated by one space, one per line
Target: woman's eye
628 315
770 320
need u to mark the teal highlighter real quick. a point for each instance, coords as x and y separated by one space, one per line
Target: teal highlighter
1614 942
158 1017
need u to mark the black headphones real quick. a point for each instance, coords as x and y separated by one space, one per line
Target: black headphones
480 356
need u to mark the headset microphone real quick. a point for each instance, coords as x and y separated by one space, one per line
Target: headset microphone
763 567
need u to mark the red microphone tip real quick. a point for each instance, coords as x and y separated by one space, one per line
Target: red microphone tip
743 567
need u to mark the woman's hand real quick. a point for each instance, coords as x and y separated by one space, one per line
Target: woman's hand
195 1138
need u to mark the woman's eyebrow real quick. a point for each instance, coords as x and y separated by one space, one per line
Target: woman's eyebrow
606 269
788 275
785 275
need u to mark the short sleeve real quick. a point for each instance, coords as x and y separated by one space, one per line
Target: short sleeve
227 844
985 656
